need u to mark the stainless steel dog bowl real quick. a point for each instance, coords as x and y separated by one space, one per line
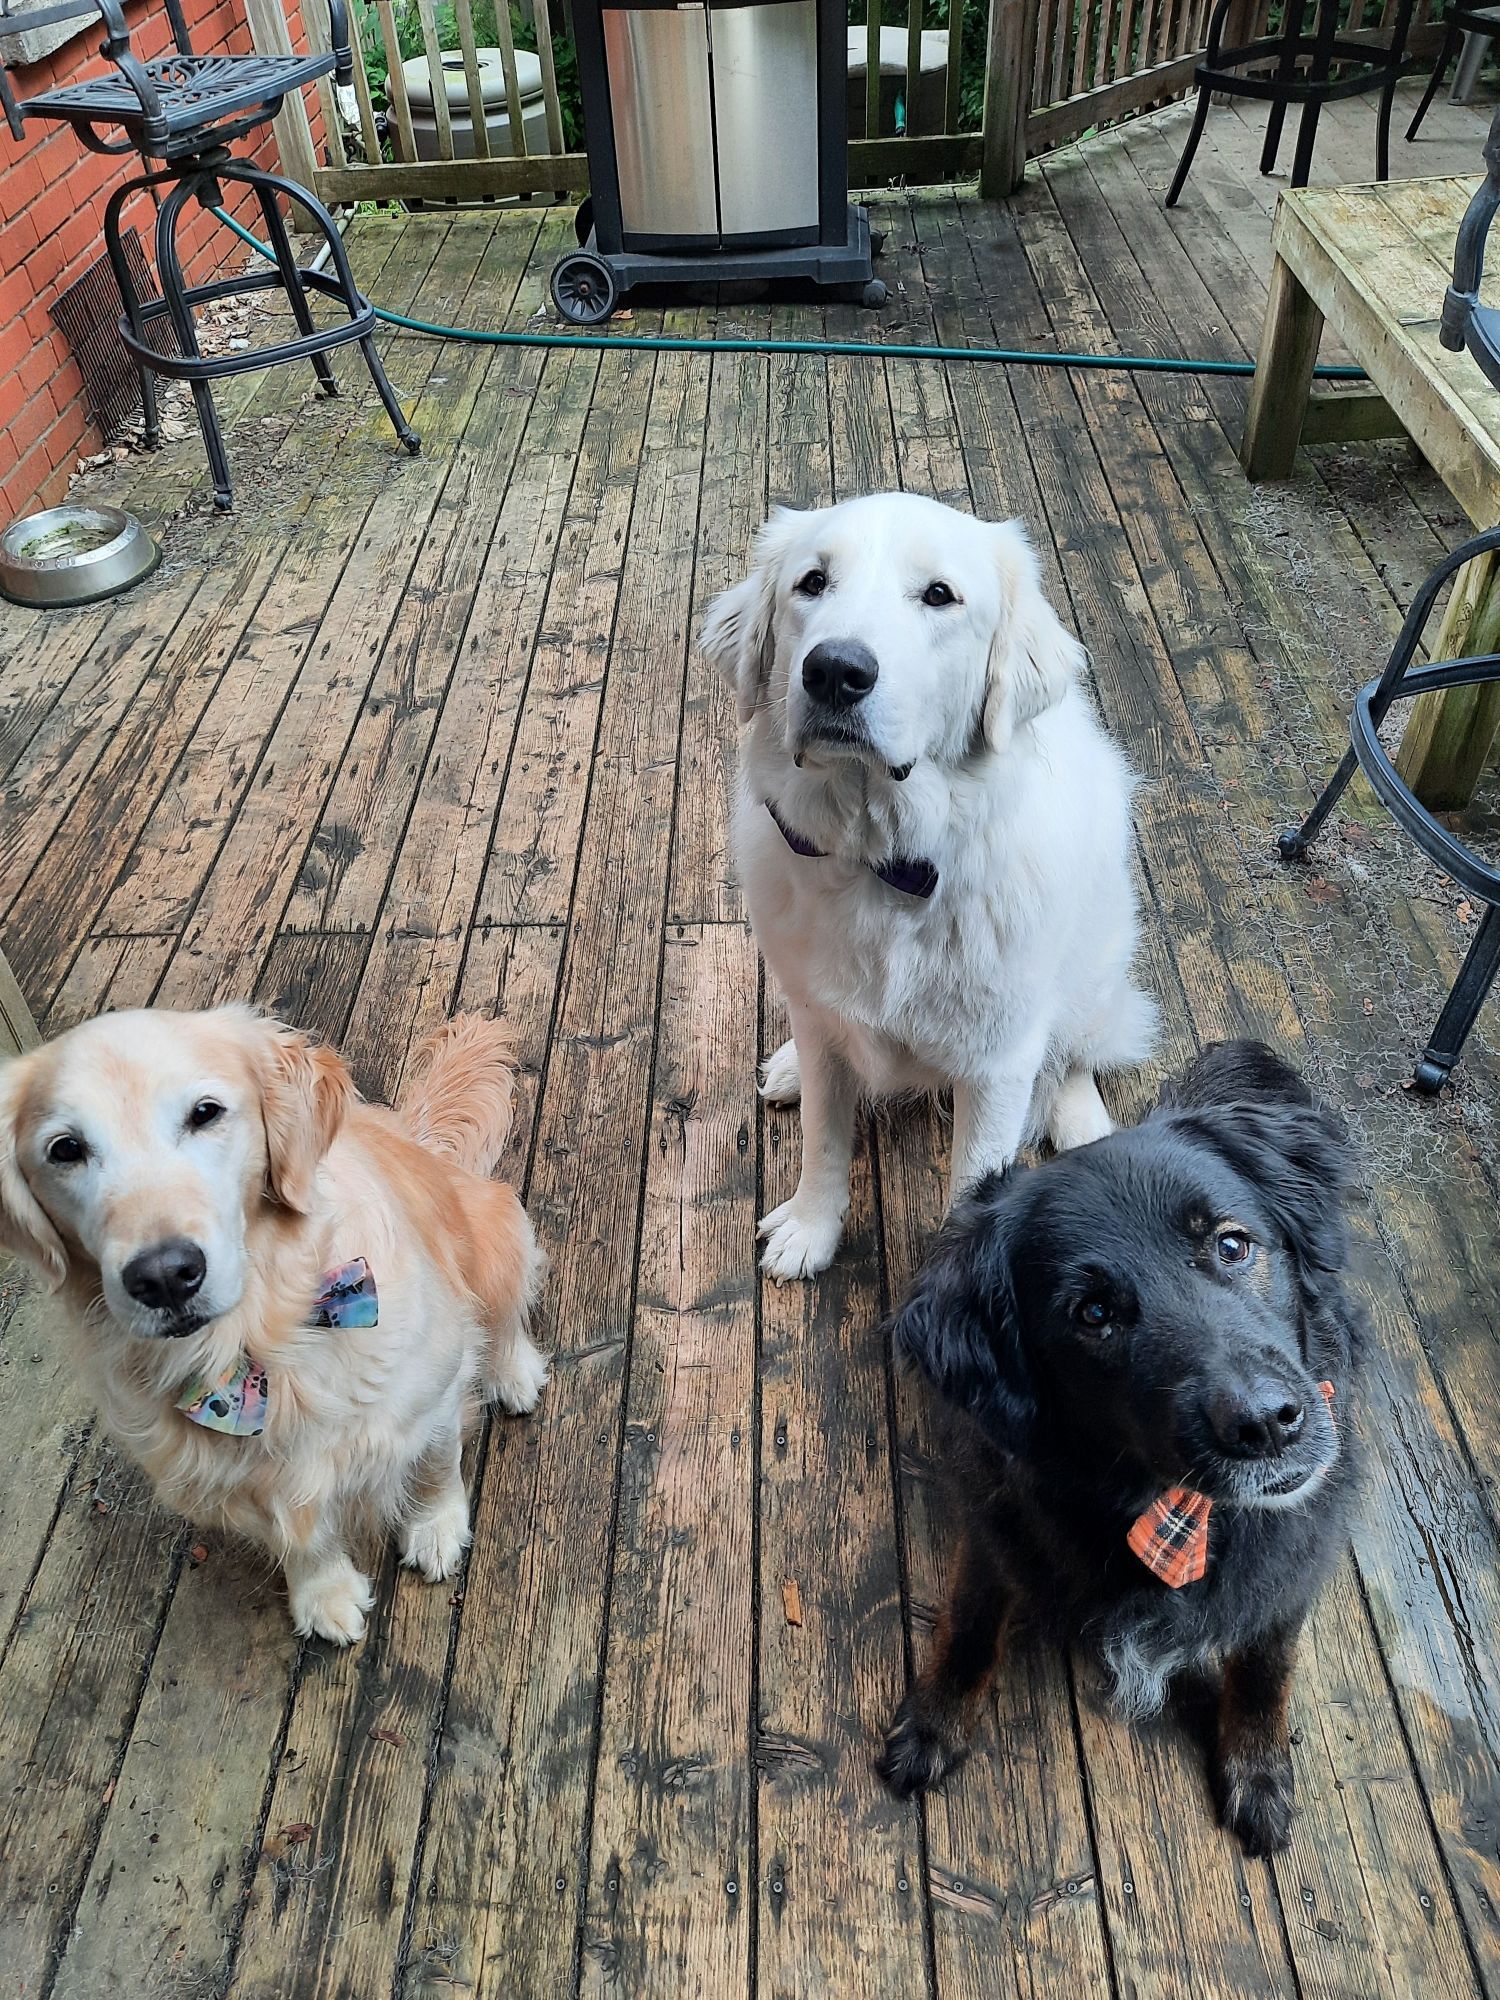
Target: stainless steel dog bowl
73 554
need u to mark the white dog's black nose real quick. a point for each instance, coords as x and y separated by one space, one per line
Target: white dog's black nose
840 673
166 1276
1257 1422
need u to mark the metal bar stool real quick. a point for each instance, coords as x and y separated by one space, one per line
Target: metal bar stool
1402 682
1301 72
1458 21
185 110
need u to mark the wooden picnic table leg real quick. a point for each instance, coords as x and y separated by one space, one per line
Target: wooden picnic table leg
1283 377
1447 739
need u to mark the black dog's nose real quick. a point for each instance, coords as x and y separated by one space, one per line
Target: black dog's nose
167 1275
1258 1422
839 674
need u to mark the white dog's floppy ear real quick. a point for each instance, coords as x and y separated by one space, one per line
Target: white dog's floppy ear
1033 660
24 1226
738 633
305 1094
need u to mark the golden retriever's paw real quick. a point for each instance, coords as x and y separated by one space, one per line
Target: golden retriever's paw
781 1078
799 1242
518 1385
437 1537
332 1604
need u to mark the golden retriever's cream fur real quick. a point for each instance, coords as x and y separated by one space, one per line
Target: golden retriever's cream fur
247 1140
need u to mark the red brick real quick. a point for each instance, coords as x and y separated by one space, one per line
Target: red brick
28 424
17 241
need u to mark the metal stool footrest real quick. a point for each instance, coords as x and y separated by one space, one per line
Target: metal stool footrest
1478 879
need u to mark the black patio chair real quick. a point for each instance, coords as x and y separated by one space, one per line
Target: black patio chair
1458 21
1401 682
1293 66
186 110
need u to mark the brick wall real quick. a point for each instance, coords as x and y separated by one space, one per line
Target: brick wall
52 196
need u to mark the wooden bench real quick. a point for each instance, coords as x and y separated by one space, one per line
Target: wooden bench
1374 263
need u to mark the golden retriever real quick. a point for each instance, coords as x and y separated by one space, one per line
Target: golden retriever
286 1302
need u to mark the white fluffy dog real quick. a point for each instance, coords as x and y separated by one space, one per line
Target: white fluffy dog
933 833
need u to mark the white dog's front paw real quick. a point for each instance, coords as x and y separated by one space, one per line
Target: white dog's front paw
332 1604
519 1380
800 1241
437 1537
781 1078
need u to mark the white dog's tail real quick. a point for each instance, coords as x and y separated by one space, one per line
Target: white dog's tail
459 1092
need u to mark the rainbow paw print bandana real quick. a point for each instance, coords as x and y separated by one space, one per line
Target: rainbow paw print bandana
236 1403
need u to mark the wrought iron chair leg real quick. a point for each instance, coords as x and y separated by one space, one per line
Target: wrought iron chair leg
173 290
1451 40
1272 144
1195 133
1294 846
291 281
130 299
353 298
1476 975
1307 139
1383 126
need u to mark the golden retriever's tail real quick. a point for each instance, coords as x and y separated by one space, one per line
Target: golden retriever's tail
459 1094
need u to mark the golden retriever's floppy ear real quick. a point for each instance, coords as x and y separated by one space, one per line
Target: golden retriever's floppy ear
24 1226
738 632
305 1093
1033 660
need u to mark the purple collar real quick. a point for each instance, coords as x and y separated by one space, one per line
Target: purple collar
912 878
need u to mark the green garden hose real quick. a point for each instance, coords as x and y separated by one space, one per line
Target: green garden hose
655 343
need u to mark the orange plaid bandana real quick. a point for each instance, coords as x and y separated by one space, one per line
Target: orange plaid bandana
1171 1537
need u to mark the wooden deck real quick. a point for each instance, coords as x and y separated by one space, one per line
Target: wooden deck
403 736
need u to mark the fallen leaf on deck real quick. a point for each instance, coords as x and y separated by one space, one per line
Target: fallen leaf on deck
108 1793
392 1736
1465 912
198 1553
1320 891
791 1601
299 1831
1369 1006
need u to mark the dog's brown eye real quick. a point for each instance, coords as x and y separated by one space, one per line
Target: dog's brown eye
813 584
65 1150
938 593
204 1112
1095 1314
1235 1247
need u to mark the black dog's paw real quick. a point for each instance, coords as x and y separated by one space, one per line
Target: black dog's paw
1255 1803
921 1748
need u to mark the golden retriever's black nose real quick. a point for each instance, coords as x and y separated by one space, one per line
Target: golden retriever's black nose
840 673
166 1276
1258 1422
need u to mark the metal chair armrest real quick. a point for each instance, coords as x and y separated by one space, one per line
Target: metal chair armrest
338 29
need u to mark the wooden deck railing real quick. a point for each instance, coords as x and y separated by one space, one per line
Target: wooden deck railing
1087 63
1052 69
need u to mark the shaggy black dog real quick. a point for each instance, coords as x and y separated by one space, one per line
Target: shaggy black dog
1152 1366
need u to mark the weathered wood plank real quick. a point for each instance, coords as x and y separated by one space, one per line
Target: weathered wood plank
505 1863
671 1899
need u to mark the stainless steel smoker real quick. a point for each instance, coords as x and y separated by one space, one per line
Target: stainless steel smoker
718 150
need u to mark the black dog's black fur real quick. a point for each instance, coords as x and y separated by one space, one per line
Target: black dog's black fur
1204 1374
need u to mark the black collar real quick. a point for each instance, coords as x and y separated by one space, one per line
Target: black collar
912 877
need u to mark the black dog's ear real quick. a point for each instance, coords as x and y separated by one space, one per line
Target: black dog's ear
1238 1072
958 1323
1298 1159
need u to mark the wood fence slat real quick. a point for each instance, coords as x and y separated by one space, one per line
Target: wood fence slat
427 15
395 85
463 12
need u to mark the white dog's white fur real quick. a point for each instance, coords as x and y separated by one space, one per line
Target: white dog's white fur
289 1176
1012 983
